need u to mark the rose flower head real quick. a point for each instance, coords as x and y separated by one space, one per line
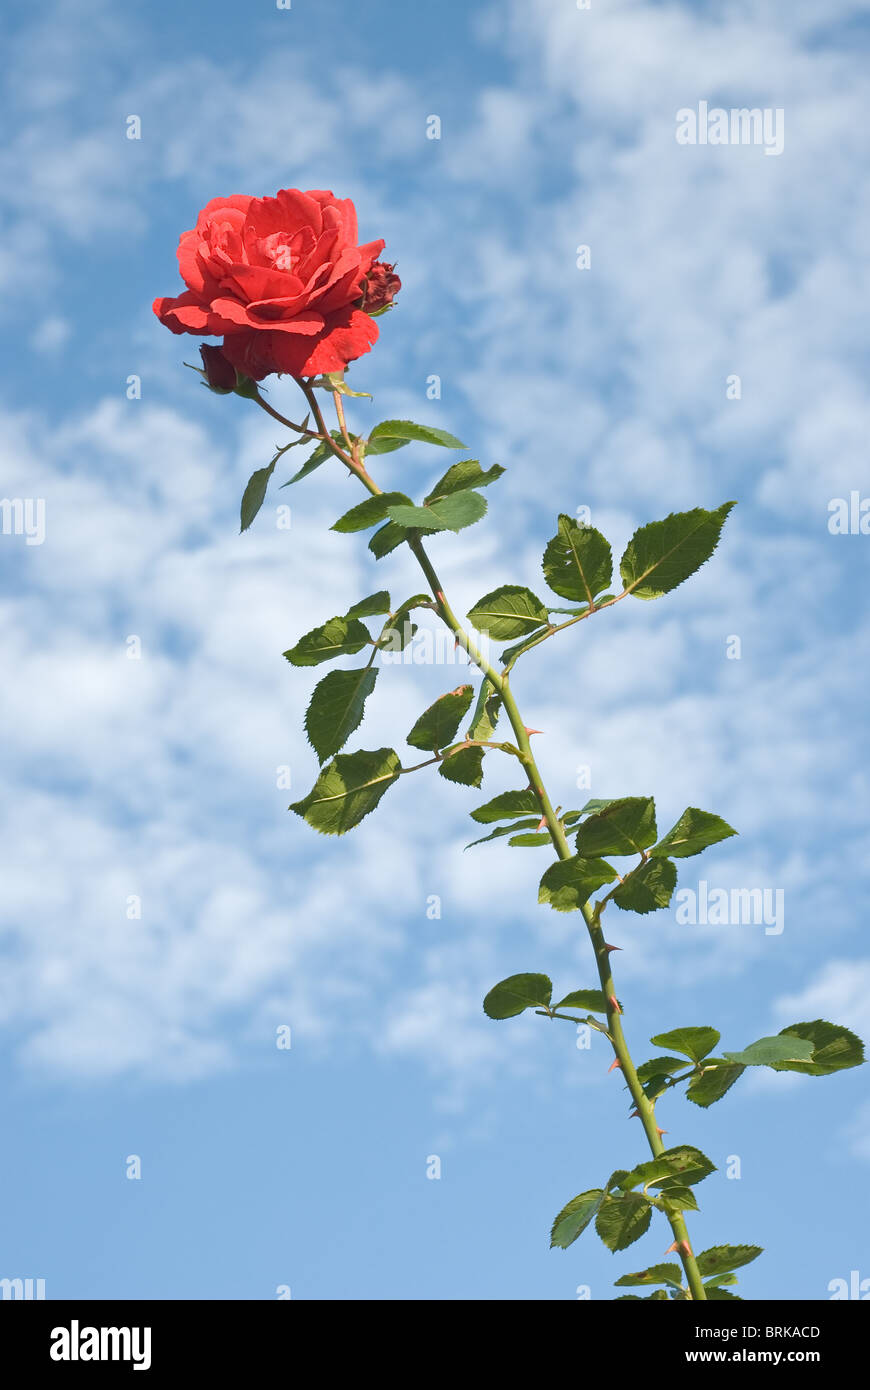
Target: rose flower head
283 280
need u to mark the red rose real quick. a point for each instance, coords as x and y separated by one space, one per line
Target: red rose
281 279
381 287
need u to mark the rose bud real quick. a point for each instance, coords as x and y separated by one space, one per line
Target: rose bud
380 288
220 374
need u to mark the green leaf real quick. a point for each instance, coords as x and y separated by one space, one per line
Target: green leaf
518 992
717 1077
577 562
370 607
315 459
348 789
615 1179
623 827
465 474
569 883
591 999
369 512
530 841
510 654
452 513
716 1295
507 806
665 553
692 1042
255 493
383 446
694 831
623 1219
337 637
511 611
596 804
464 766
436 727
721 1259
405 431
648 888
415 601
387 539
486 712
835 1048
655 1086
337 708
574 1217
396 635
398 632
678 1199
785 1048
677 1167
656 1274
719 1279
660 1066
503 830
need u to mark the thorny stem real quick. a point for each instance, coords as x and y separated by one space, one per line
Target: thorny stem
270 410
644 1108
339 411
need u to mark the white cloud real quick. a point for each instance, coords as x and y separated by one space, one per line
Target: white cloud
840 993
51 335
603 387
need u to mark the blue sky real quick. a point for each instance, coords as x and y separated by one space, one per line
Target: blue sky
157 778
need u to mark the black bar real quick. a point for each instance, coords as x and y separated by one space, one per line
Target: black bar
378 1337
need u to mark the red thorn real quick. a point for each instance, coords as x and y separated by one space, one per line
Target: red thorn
533 731
634 1115
613 1065
542 822
686 1247
672 1248
614 1004
612 948
660 1132
439 595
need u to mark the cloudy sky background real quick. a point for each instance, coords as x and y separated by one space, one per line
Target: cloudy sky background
158 777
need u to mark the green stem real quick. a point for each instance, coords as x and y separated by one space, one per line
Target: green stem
644 1108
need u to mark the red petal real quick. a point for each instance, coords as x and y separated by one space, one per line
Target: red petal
233 205
184 314
256 283
369 253
305 322
348 336
342 212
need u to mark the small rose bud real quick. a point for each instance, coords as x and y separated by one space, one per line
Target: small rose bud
380 288
220 374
